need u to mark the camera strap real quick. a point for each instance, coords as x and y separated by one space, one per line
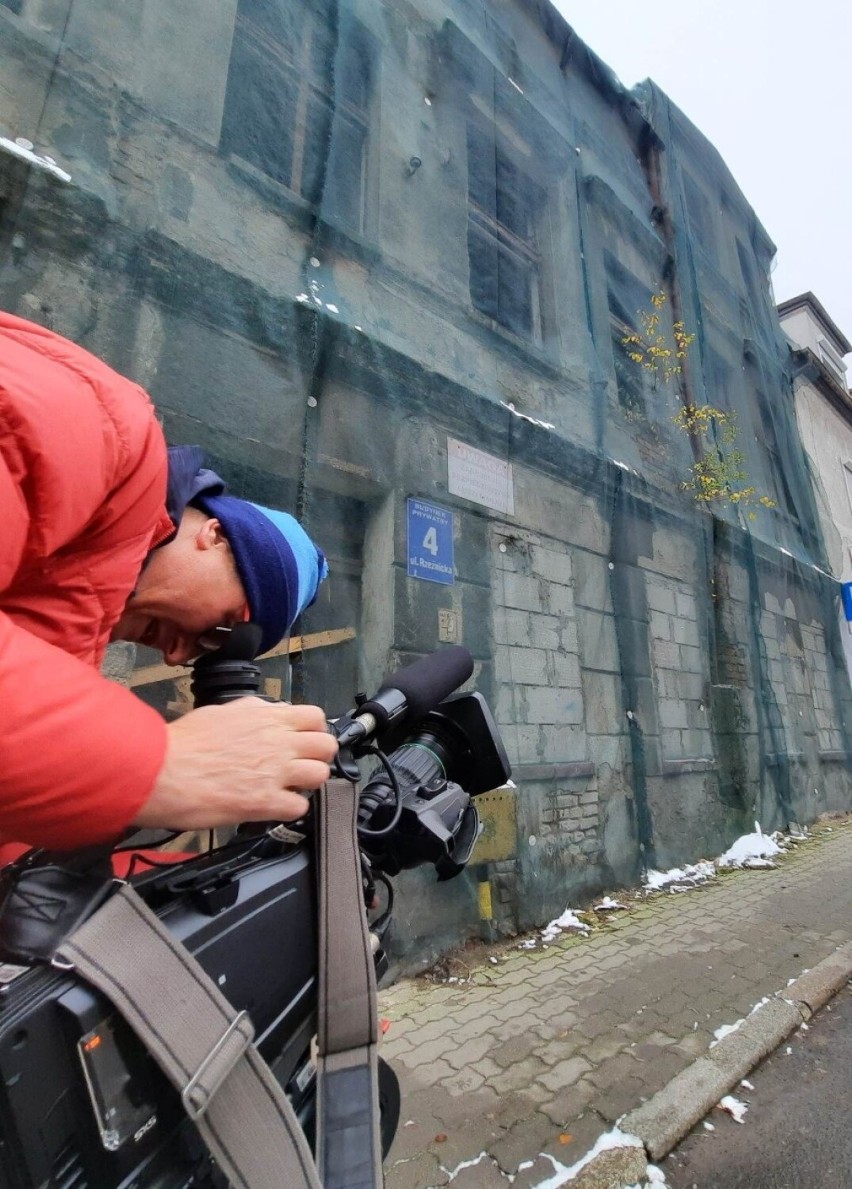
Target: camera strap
349 1150
199 1041
205 1047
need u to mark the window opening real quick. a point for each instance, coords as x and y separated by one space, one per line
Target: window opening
290 84
504 208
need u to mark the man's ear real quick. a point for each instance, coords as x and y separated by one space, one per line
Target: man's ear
210 534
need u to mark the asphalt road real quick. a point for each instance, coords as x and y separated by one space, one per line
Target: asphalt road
797 1132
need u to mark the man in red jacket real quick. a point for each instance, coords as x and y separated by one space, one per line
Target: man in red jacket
103 539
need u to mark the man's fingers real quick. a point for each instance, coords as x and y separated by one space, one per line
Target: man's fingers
306 774
303 718
293 807
311 745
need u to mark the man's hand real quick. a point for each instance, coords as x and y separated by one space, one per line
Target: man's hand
238 763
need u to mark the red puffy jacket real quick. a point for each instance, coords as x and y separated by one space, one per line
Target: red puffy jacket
82 500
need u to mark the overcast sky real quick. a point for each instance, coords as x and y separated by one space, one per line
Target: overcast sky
768 82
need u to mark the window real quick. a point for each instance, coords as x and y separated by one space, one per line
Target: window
297 99
630 376
770 450
701 220
504 210
832 359
756 282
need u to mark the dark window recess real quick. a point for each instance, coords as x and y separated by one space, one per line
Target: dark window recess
772 457
701 218
719 379
756 285
630 375
504 208
296 105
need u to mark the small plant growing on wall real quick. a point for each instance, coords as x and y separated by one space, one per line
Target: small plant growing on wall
652 349
720 474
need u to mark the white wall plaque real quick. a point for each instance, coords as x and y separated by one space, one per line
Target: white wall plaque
480 477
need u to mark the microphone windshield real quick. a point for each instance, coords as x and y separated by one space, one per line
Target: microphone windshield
428 681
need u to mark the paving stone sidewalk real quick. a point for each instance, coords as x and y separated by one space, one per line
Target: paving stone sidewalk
544 1051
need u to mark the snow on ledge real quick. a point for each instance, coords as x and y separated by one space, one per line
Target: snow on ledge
24 150
526 417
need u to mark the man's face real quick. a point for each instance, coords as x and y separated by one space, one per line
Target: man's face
187 589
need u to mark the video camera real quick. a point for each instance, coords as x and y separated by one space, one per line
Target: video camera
81 1102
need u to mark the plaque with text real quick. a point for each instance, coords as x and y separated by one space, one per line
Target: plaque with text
482 478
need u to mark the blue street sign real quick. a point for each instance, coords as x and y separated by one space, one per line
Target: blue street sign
846 596
430 542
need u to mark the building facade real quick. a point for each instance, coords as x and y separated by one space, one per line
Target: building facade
824 416
412 271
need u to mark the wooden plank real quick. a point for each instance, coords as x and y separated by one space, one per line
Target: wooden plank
153 673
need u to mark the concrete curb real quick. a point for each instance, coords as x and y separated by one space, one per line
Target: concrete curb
662 1121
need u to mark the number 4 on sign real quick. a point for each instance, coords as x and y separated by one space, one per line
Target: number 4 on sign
430 541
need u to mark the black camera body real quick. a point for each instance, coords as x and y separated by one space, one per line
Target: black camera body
81 1102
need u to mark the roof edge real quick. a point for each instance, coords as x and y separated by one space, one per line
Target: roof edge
807 300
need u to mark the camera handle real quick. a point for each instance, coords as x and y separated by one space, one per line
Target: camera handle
205 1048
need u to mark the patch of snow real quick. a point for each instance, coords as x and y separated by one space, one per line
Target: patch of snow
22 148
725 1030
708 1126
529 944
734 1107
464 1164
751 850
302 297
606 1142
679 879
332 308
746 1084
608 905
568 920
525 417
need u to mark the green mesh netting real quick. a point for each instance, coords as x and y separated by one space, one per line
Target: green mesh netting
413 271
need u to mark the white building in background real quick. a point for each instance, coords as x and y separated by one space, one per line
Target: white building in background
824 414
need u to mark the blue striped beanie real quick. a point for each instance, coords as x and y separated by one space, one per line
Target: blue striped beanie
279 565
